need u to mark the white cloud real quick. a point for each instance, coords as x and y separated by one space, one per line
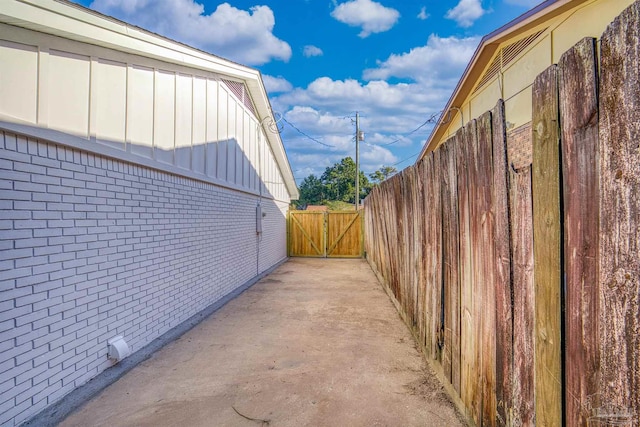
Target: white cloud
389 111
373 157
423 13
324 110
438 64
345 96
276 84
371 16
380 138
243 36
307 116
310 50
466 12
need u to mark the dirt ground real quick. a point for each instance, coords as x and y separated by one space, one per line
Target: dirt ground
316 343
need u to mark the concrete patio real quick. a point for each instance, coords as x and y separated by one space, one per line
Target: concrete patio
317 342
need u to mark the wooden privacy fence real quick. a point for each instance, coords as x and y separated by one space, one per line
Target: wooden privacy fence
325 234
514 255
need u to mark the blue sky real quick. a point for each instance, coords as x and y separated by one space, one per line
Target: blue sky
396 62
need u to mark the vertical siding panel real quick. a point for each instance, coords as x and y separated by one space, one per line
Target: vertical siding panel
164 116
250 132
212 138
240 146
69 80
184 120
42 89
253 147
223 132
199 124
109 102
140 110
19 98
232 139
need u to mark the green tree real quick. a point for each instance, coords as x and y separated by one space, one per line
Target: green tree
339 180
337 183
383 173
312 191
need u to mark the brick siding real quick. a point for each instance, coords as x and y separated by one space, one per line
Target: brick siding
91 248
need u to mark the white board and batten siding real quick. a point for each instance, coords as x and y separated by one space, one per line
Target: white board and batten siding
165 115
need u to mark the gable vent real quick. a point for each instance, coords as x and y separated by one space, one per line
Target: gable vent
505 56
240 91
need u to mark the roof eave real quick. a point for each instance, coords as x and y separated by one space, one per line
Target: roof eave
484 52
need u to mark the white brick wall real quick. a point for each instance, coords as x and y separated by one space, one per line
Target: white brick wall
91 248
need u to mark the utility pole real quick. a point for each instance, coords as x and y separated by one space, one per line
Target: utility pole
357 198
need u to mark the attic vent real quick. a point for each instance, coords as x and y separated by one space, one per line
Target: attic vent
239 90
506 55
491 72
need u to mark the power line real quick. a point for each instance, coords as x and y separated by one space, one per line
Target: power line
404 160
432 119
304 134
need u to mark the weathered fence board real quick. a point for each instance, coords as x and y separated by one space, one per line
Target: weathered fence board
423 258
433 206
468 338
401 211
483 243
502 270
547 245
521 211
413 233
577 87
619 266
451 287
514 225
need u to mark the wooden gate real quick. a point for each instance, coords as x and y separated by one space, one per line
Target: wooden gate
325 234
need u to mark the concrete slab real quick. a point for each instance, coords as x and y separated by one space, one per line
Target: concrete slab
316 343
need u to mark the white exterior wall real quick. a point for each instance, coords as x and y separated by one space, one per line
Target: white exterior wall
143 109
94 247
128 207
